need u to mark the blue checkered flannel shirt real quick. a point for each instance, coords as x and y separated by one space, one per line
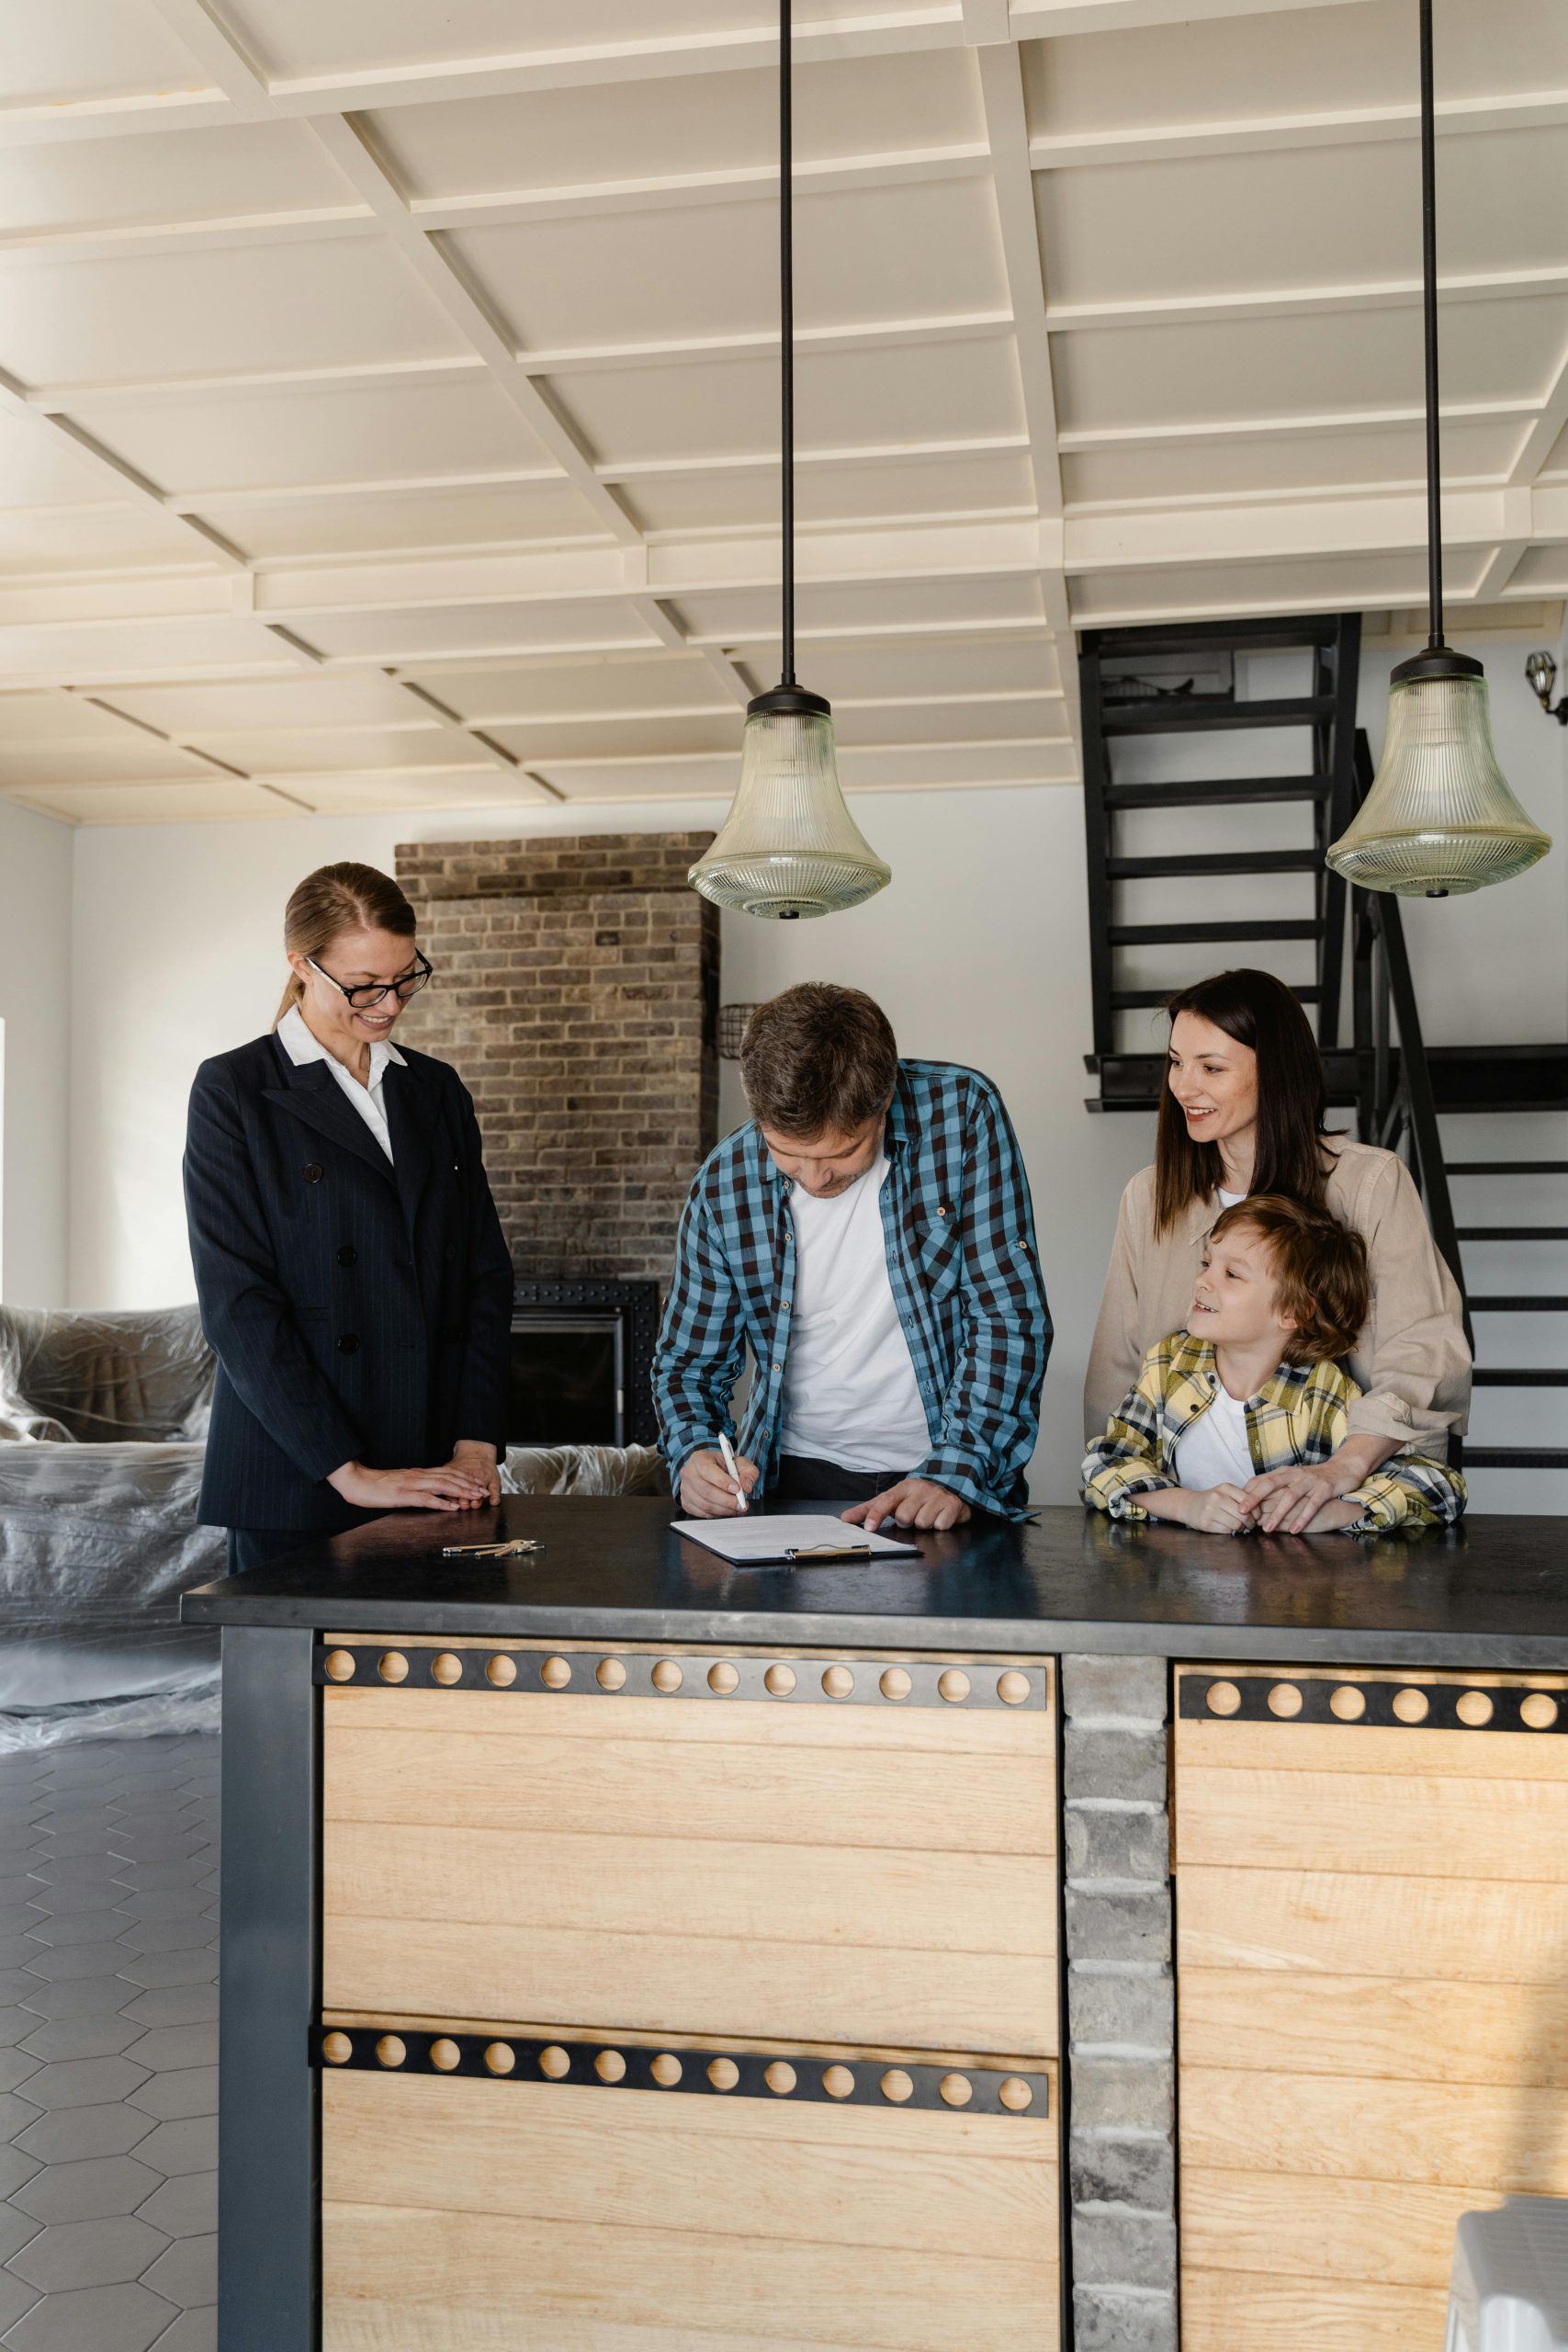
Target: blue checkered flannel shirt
965 1275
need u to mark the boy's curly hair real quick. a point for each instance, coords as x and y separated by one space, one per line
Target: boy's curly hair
1320 1268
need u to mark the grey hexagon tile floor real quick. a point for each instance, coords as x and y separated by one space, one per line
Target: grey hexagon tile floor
108 2047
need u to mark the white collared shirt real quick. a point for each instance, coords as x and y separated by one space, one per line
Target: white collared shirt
302 1046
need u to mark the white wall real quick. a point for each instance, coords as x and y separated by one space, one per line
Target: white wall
977 951
35 1004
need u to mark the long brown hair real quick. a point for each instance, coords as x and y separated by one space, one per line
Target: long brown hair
1259 1011
336 898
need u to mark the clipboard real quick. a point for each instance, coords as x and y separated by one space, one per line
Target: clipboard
795 1541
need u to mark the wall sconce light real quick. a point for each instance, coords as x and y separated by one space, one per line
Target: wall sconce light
1541 671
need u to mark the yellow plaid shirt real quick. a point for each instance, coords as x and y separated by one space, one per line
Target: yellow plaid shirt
1299 1416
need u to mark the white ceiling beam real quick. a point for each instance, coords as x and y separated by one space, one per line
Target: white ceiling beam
1270 135
1007 134
1222 429
348 149
1403 293
1545 429
190 756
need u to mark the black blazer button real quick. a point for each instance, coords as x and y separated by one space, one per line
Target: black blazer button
312 1171
348 1343
347 1257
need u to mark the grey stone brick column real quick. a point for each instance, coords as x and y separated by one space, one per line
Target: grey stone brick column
1121 2005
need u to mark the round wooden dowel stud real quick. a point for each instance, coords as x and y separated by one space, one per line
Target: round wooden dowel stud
1475 1709
723 1678
1223 1699
445 2055
501 1670
1012 1688
954 1685
838 2082
1348 1703
554 2062
392 1667
724 2074
446 1667
337 2050
390 2051
837 1682
956 2089
897 2086
1015 2094
1411 1706
666 1675
1538 1709
666 2070
610 1674
780 1680
895 1684
1285 1701
340 1666
500 2058
610 2066
780 2078
556 1673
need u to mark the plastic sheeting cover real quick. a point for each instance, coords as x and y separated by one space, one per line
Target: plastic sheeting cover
101 1379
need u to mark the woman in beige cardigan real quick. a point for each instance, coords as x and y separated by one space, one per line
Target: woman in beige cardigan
1242 1111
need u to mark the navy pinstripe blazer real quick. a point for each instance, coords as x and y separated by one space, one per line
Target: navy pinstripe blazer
360 1308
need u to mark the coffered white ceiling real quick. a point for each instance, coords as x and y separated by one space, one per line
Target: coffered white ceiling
387 391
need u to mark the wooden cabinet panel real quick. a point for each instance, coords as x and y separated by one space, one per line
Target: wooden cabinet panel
466 2216
881 1873
1372 1987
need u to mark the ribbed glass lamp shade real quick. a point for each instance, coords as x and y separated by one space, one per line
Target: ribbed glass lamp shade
1439 819
789 846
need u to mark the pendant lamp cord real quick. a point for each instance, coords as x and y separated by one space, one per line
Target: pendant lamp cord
1429 309
787 335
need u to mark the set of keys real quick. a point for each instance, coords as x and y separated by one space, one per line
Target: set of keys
489 1551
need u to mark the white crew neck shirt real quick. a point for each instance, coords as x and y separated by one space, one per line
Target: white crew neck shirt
1229 1200
302 1045
850 1391
1212 1451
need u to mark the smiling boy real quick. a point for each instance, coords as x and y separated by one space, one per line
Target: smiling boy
1252 1386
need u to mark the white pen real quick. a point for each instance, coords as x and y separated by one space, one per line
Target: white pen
733 1467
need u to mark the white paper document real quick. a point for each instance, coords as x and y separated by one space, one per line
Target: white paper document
793 1539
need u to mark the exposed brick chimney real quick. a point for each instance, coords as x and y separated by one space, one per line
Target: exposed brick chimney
577 994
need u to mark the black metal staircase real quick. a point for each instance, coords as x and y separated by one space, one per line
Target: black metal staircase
1399 1087
1113 666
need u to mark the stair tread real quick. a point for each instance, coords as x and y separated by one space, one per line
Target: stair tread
1180 714
1513 1303
1218 861
1516 1457
1142 934
1137 1000
1520 1375
1513 1232
1218 792
1507 1167
1260 635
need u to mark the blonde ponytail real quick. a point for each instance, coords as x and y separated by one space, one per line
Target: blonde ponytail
346 896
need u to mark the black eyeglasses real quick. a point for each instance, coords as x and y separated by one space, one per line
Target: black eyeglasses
362 999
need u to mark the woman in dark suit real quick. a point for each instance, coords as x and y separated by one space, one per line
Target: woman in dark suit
349 1262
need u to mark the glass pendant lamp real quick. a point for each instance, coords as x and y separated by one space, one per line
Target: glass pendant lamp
789 846
1439 819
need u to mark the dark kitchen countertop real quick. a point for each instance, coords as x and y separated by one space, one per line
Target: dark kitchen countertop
1493 1592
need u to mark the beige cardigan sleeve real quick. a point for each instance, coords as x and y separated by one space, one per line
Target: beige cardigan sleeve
1413 1360
1119 1337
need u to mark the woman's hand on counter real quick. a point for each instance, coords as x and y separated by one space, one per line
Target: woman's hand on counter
707 1490
474 1459
446 1489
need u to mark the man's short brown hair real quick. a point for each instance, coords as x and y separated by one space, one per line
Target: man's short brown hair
1320 1268
817 1060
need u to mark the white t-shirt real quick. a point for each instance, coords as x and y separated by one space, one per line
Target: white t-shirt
849 1391
1229 1200
1212 1451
